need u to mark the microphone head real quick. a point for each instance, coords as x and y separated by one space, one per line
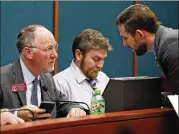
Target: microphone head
44 88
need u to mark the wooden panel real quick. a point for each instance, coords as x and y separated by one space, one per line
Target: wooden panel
141 126
56 34
149 121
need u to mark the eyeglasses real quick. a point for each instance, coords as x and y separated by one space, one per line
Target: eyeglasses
48 49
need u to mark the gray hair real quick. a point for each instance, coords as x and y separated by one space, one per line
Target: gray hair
26 36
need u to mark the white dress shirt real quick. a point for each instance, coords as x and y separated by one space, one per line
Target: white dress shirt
72 82
28 78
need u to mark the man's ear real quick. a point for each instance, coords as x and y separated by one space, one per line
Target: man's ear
139 34
78 55
27 52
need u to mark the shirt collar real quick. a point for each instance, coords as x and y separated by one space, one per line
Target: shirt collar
28 76
78 74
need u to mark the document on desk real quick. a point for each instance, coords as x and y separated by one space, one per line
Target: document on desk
174 100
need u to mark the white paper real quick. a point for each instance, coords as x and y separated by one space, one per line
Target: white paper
174 100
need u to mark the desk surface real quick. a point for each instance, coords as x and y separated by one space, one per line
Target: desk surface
109 122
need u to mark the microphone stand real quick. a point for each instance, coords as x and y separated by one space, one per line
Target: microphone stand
46 90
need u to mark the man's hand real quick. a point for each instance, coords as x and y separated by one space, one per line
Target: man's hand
76 112
27 115
8 118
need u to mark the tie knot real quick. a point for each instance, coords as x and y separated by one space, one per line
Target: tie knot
35 81
92 83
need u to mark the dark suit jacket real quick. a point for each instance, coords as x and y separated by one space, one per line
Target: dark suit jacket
167 55
12 74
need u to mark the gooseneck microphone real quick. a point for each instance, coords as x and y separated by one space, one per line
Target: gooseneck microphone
13 110
77 102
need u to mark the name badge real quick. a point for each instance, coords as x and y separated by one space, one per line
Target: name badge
19 87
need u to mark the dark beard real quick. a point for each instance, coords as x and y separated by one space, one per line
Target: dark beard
141 50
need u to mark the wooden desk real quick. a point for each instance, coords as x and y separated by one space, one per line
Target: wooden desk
149 121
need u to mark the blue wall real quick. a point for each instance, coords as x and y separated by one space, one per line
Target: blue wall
16 15
74 17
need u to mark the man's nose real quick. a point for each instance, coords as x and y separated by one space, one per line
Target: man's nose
55 54
100 64
125 43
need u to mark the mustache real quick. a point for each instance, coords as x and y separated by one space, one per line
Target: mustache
97 70
129 47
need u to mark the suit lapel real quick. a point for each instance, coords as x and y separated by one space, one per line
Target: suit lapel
157 43
44 82
18 78
48 82
157 40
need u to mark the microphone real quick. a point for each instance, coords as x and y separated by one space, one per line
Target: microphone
13 110
77 102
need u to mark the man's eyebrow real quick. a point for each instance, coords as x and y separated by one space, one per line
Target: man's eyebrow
96 56
121 36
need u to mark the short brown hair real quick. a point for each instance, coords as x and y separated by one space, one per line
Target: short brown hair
138 16
89 39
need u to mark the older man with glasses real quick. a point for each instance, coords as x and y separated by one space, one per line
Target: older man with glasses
22 81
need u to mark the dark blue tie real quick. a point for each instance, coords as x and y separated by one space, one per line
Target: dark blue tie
92 83
34 99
